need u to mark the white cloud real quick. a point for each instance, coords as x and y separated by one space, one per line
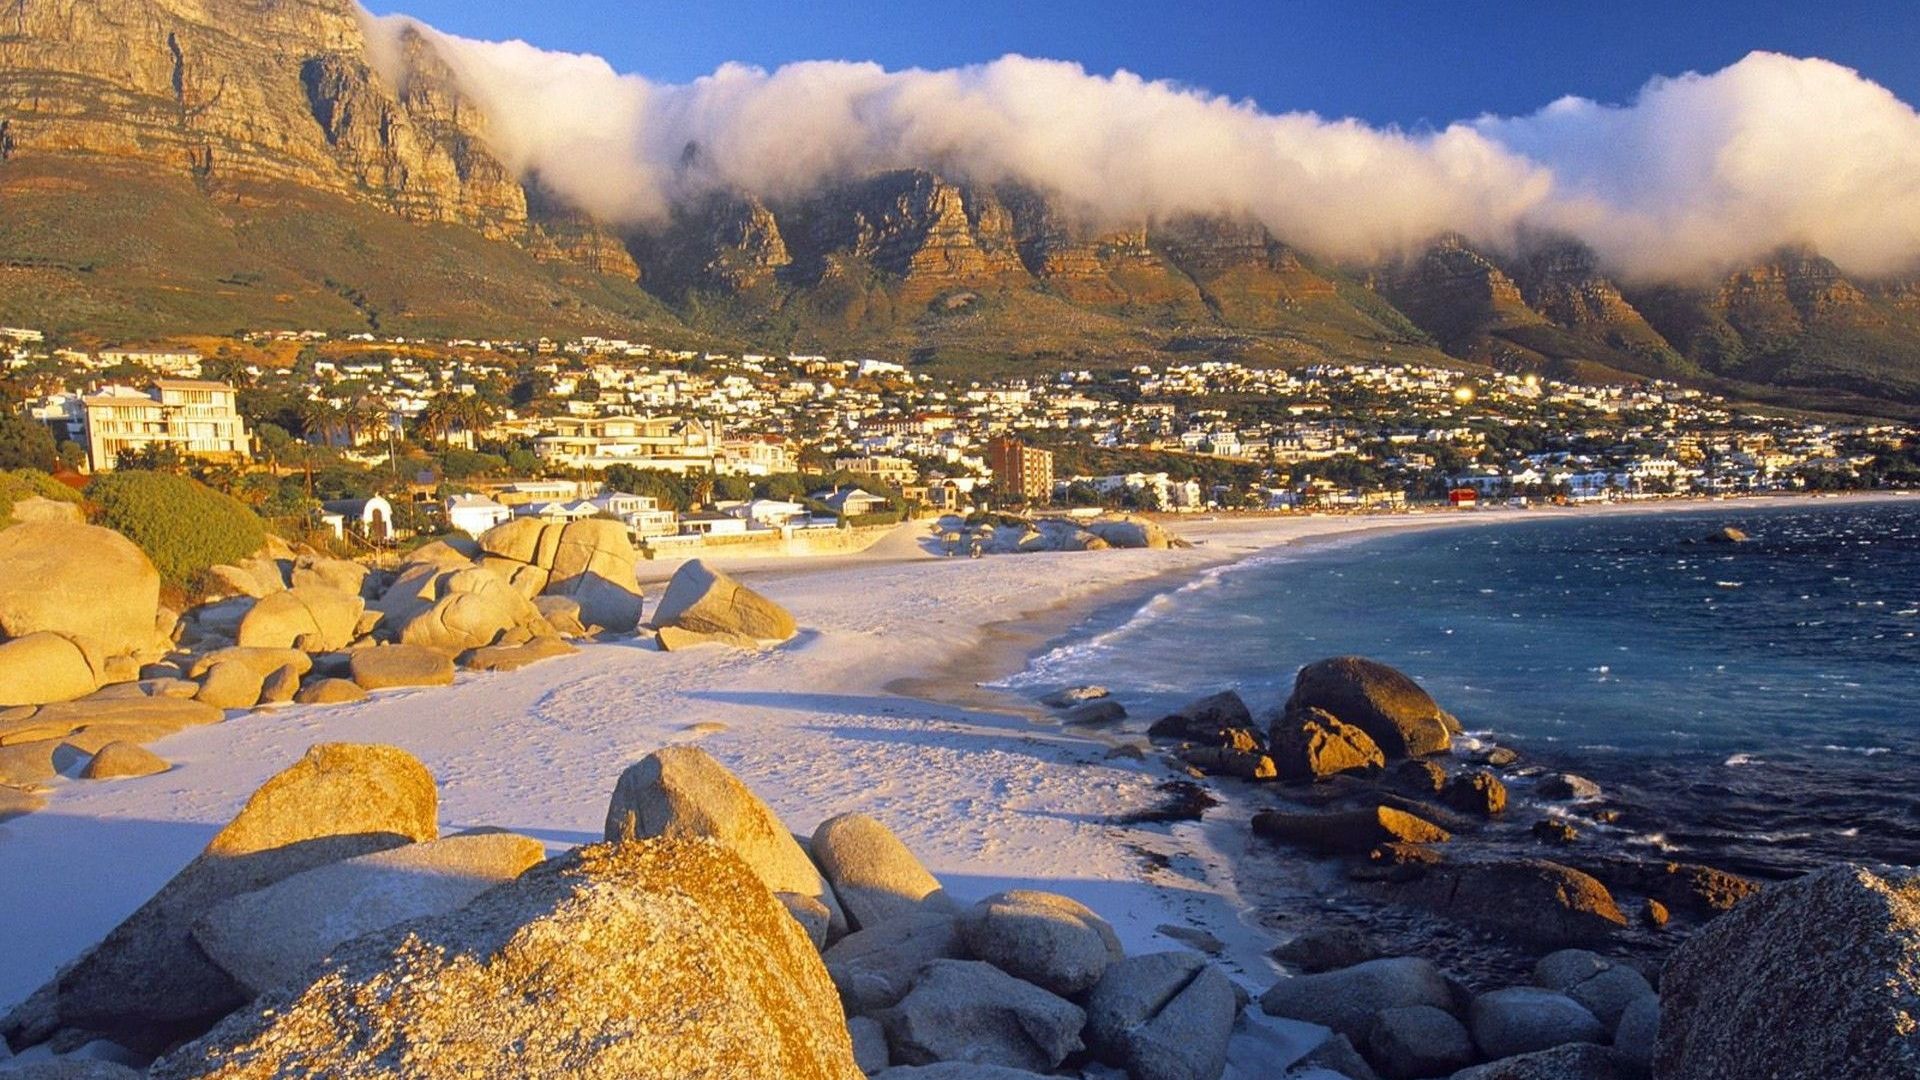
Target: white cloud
1698 173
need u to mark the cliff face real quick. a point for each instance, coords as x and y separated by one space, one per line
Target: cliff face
238 92
213 163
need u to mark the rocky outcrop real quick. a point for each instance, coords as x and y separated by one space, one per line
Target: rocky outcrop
1390 707
1052 941
1313 744
874 968
872 873
85 582
1349 832
392 666
265 938
1834 950
1163 1016
968 1011
283 94
592 563
46 667
665 957
703 600
1524 1019
681 792
123 760
147 985
314 618
1531 899
1347 1000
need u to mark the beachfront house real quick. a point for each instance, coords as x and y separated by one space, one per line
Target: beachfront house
475 514
712 523
642 513
771 513
850 502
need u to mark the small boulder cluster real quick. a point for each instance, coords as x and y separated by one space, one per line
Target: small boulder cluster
1021 536
330 929
93 668
1582 1017
1360 758
1021 981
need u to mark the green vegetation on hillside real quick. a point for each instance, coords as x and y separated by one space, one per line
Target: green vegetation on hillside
183 525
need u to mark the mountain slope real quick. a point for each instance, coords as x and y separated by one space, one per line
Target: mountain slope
169 166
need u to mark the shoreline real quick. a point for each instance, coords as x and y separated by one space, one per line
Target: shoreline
987 797
1009 646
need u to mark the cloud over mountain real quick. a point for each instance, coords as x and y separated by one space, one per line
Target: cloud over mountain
1697 173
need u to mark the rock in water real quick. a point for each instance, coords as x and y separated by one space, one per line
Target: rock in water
1390 707
267 937
1347 831
147 985
662 958
86 582
1049 940
1164 1016
1815 977
1533 900
1313 744
707 601
680 791
872 873
967 1011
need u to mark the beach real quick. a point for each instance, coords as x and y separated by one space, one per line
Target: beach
875 707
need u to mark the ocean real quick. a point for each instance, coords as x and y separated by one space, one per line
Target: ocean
1754 705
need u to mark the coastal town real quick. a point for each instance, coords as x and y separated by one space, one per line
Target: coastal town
381 439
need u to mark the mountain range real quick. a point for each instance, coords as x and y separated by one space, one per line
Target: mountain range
206 166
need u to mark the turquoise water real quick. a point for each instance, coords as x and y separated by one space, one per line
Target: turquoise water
1760 701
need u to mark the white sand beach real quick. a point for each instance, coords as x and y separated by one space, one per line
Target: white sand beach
988 799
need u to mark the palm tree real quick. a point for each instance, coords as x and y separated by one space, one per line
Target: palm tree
319 418
437 420
365 416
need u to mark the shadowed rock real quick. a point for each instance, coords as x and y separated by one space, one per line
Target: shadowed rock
1819 976
661 958
146 984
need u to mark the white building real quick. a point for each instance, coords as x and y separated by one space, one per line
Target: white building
475 514
197 419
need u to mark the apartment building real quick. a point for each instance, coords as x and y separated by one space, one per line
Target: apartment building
195 418
669 443
1020 471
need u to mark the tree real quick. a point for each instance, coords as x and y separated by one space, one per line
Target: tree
319 419
25 443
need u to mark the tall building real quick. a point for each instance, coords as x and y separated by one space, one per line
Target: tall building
198 419
1019 470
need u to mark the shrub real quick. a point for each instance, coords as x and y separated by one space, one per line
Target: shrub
27 483
25 443
183 525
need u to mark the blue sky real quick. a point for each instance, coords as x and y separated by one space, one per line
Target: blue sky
1409 63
